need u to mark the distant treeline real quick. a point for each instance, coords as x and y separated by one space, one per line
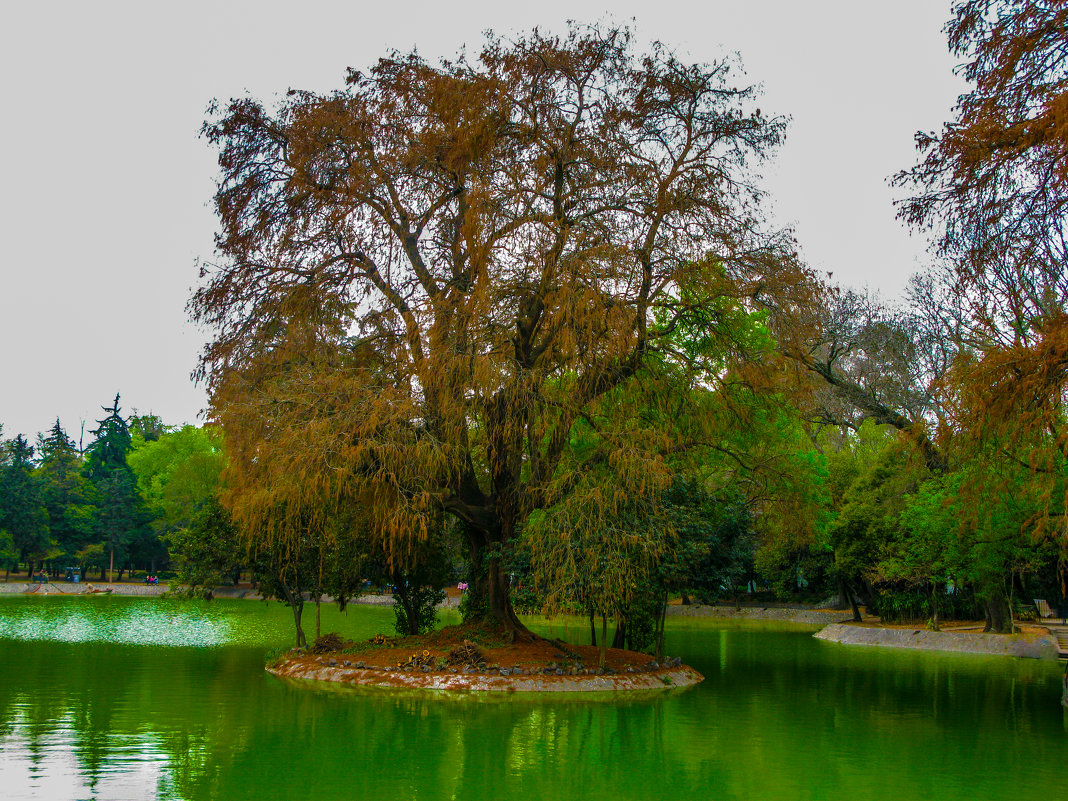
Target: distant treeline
110 506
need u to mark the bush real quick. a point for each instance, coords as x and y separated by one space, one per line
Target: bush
415 608
902 604
526 600
472 606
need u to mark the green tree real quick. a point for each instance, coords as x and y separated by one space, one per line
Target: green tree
9 554
867 524
978 538
146 427
207 550
418 585
22 511
177 474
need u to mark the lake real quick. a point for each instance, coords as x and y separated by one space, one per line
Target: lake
126 698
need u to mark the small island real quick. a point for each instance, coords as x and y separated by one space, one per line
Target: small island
472 658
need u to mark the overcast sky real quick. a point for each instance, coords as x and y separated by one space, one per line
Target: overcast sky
106 186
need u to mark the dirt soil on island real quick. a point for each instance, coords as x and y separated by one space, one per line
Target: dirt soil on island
533 656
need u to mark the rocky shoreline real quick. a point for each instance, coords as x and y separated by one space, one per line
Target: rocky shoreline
346 672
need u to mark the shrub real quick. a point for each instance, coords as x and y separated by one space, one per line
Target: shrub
415 608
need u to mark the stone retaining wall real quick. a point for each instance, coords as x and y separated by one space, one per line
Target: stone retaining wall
1028 647
781 614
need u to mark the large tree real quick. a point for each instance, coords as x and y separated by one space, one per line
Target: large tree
427 280
993 186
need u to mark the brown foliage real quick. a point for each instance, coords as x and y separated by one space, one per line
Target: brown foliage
996 176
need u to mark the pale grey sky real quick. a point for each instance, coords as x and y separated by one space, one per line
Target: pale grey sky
106 185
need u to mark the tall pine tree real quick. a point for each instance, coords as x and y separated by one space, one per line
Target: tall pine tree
123 518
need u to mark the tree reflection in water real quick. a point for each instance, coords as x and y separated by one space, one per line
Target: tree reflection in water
779 713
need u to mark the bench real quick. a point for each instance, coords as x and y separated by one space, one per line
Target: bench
1044 611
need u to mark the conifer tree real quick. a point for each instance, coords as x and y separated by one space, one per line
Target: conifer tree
67 494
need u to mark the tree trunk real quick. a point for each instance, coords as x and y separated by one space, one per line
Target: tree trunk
296 603
604 639
593 628
934 606
489 588
998 618
662 624
298 610
500 598
843 587
620 639
411 612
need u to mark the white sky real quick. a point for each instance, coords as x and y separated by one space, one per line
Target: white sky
106 187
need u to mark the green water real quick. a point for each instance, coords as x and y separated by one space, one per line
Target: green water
117 698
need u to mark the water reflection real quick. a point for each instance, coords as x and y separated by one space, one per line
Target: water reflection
116 620
780 715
